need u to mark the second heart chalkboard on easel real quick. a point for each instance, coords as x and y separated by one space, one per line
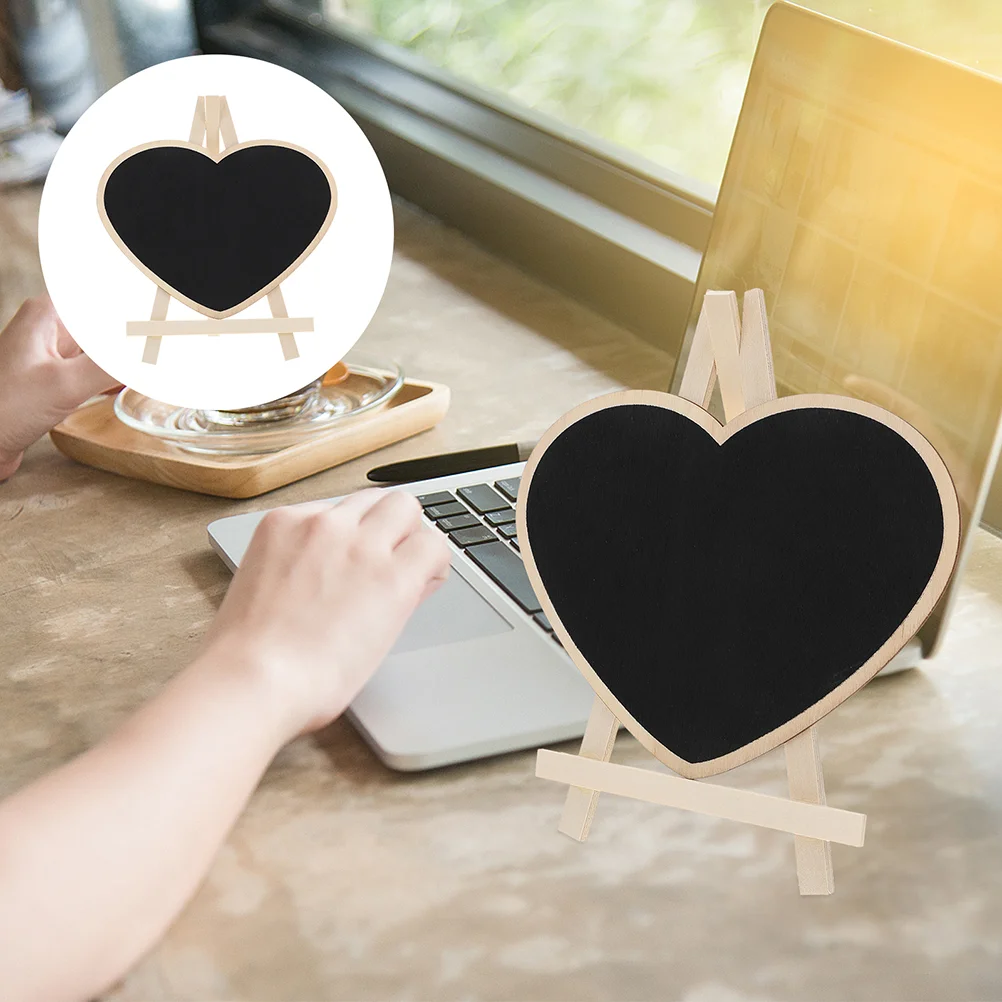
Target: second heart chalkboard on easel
722 588
217 232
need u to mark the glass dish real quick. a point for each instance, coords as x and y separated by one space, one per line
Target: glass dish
312 411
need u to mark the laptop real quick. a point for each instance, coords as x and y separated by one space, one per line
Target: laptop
863 193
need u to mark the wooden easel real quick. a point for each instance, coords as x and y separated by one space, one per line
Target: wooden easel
736 353
212 127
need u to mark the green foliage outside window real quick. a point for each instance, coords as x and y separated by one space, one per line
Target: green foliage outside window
661 77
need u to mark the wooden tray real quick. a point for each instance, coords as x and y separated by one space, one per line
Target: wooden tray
93 435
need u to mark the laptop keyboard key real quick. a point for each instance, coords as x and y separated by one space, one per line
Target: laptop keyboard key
505 568
509 488
452 522
507 531
472 536
437 511
482 498
439 497
500 517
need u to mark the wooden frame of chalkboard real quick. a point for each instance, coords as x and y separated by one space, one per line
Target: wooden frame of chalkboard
736 355
214 135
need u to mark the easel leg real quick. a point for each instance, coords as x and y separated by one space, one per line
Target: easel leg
599 738
288 341
159 312
227 132
757 377
807 784
197 133
724 324
212 103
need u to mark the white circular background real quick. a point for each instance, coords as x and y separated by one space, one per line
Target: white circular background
96 289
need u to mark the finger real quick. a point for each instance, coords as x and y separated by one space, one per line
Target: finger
392 518
424 557
289 522
25 325
310 507
65 344
354 506
81 378
357 507
292 523
435 583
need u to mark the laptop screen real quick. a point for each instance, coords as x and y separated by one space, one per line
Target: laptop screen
863 194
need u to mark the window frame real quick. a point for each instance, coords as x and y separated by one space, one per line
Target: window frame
607 227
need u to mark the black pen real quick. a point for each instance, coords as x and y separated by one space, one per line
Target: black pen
432 467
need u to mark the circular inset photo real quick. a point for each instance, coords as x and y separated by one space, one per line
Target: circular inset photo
215 232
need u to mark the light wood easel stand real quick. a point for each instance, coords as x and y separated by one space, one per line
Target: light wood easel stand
212 127
737 354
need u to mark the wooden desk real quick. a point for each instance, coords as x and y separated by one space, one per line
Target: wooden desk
343 880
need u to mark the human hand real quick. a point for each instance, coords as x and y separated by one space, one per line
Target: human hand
320 597
43 376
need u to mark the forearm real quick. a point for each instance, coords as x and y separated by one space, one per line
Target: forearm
97 858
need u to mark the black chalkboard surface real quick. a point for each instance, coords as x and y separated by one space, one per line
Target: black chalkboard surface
217 234
722 589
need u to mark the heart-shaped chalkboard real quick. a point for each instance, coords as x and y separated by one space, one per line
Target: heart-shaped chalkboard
722 588
217 233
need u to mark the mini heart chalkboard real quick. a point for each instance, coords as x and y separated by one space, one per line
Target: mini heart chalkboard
724 587
217 233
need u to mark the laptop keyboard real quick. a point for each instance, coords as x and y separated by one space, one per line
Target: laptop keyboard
480 519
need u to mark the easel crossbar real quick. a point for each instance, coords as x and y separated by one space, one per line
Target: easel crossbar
257 325
795 817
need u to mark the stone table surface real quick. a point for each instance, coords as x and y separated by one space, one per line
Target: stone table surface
344 880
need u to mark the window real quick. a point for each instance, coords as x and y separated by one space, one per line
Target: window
582 139
663 78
